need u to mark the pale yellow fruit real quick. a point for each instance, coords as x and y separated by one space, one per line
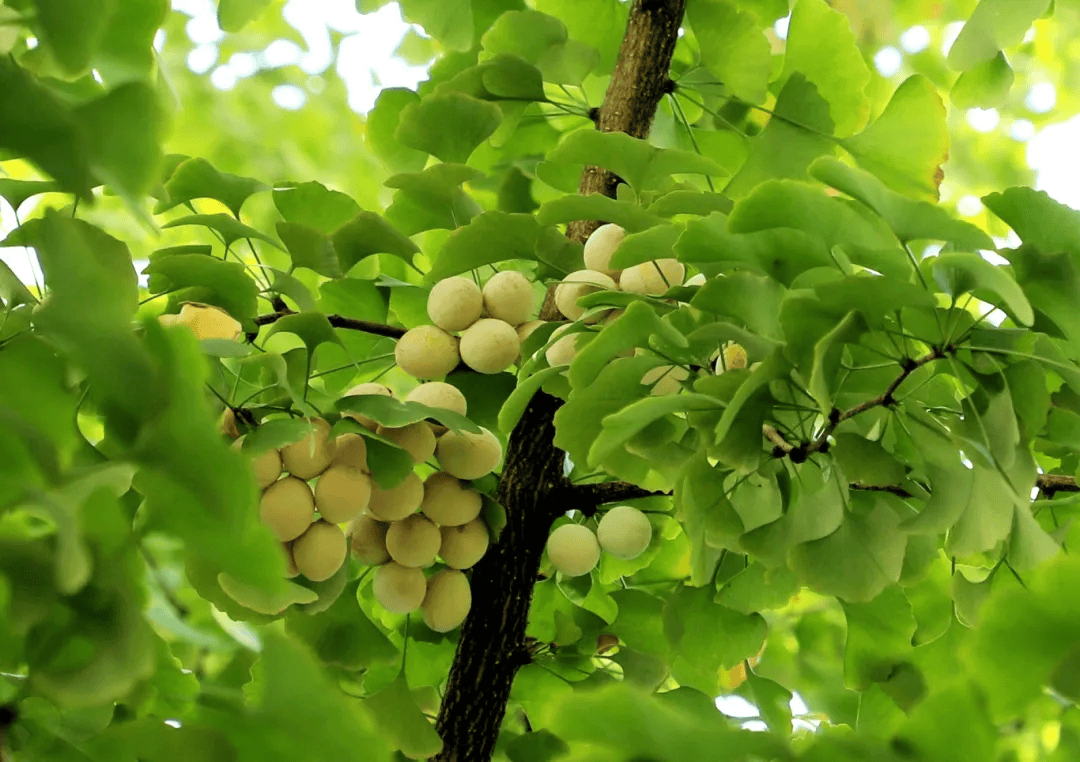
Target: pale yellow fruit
367 389
287 507
696 280
573 549
439 394
350 451
342 493
665 379
564 349
732 358
624 532
490 346
397 502
320 551
266 465
417 439
579 284
462 546
455 303
652 278
399 589
367 538
427 352
525 330
447 601
601 246
448 502
468 456
290 562
227 424
312 455
413 541
208 322
509 297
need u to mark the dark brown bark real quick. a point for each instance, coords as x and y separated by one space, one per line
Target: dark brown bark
492 646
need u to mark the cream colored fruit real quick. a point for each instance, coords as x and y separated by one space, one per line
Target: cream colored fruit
413 541
342 493
368 388
573 549
320 551
439 394
399 589
732 357
462 546
601 246
227 424
208 322
490 346
509 297
367 538
525 330
563 350
397 502
266 465
312 455
447 600
287 507
468 456
624 532
350 451
455 303
665 379
417 439
696 280
427 351
652 278
576 285
448 502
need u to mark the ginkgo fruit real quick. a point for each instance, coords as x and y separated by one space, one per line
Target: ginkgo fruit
439 395
417 439
624 532
312 455
367 538
526 329
652 278
427 351
563 350
208 322
447 600
696 280
489 346
287 507
448 502
665 379
350 451
467 455
508 296
601 245
732 357
413 541
342 493
365 389
576 285
397 502
227 424
462 546
320 551
399 589
266 465
291 569
573 549
455 303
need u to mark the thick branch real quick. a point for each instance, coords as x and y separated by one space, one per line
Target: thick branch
588 497
340 321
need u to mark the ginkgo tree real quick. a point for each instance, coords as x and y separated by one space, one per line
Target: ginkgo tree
630 360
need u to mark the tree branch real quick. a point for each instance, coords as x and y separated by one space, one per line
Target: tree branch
340 321
588 497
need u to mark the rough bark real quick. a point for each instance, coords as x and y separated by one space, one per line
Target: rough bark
492 646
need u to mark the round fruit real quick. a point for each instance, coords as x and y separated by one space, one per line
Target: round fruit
525 330
290 562
573 549
399 589
579 284
696 280
508 296
665 379
468 456
652 278
427 352
397 502
367 538
624 532
266 465
342 493
320 551
447 601
360 390
464 545
601 245
564 349
490 346
287 507
439 394
733 356
227 424
447 502
417 439
455 303
312 455
208 322
413 541
350 451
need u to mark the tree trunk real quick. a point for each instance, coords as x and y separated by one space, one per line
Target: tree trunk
492 646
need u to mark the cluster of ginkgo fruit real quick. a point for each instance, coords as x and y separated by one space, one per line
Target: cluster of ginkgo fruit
402 530
492 322
623 531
